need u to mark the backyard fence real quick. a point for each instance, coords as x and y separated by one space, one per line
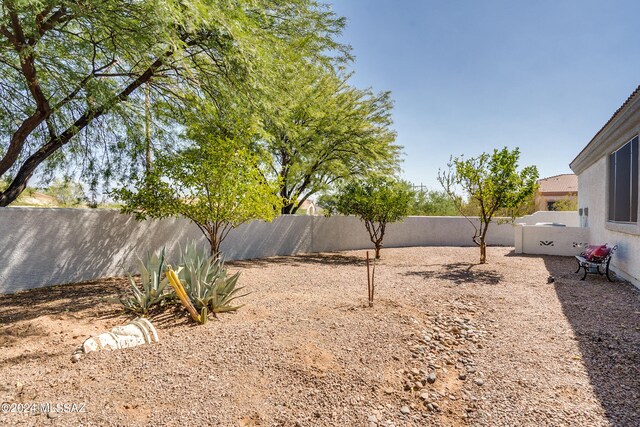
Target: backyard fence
45 246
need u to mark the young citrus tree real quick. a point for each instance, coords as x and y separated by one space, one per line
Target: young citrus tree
492 182
216 182
377 201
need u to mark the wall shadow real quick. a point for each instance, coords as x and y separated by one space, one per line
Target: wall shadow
460 273
605 318
42 247
60 300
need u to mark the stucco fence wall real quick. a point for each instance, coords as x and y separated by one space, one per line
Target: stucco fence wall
568 218
45 246
547 240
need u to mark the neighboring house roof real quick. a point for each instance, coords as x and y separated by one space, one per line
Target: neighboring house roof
565 183
594 149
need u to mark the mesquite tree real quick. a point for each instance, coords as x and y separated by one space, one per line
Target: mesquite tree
72 72
492 182
377 201
325 130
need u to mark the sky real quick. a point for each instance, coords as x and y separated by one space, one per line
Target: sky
468 76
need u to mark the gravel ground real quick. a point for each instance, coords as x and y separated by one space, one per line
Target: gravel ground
447 343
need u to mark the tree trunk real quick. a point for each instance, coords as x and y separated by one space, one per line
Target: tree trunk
378 248
483 241
483 251
214 242
25 172
289 209
11 193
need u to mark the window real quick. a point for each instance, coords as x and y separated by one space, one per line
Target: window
623 183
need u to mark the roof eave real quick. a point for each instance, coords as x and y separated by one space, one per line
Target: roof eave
594 149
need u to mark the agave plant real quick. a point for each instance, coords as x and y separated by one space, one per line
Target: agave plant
152 293
206 283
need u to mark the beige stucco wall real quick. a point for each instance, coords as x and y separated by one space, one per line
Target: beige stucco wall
40 246
593 193
568 218
549 240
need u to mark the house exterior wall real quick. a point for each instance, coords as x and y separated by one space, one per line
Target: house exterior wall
593 195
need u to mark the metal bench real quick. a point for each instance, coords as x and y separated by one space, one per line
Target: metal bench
593 265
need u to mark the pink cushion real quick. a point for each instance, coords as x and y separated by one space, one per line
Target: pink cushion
588 252
594 252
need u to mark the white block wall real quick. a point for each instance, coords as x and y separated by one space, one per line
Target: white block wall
44 246
566 241
568 218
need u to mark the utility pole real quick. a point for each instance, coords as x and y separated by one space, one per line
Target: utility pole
147 127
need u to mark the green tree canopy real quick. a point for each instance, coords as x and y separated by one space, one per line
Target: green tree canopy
72 72
323 130
217 182
432 203
66 193
377 201
492 182
567 203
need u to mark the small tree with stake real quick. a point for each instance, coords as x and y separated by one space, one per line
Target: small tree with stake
377 201
493 182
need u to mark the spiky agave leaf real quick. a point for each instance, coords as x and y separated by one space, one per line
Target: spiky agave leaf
206 282
152 290
226 293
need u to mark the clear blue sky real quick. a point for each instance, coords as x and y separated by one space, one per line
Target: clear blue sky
468 76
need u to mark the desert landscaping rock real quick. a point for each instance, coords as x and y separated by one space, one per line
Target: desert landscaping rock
305 350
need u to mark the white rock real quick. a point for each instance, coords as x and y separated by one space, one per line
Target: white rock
137 332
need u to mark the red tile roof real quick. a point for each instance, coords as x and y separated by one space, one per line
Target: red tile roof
565 183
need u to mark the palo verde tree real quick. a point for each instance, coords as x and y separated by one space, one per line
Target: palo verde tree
492 182
323 130
73 72
216 181
377 201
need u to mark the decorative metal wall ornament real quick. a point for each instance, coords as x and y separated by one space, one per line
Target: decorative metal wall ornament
580 244
546 243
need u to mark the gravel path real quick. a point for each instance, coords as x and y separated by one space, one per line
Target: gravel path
447 343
